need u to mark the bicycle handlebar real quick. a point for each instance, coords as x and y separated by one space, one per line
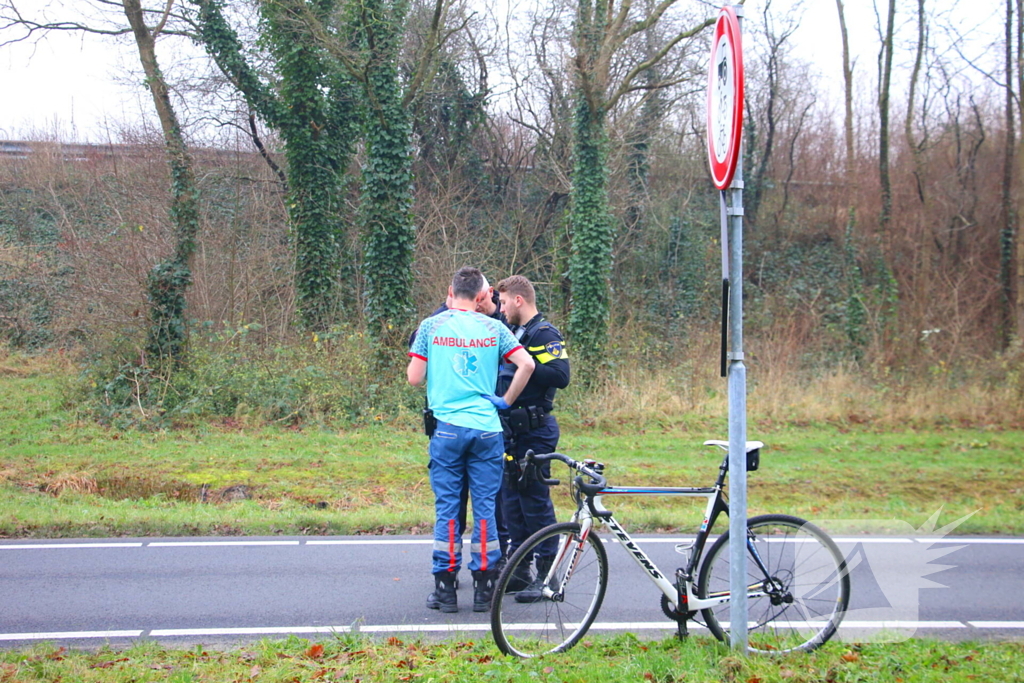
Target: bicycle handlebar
600 483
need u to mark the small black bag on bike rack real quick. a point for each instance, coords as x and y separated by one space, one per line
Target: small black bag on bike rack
753 459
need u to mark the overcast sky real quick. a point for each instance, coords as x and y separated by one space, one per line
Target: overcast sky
78 87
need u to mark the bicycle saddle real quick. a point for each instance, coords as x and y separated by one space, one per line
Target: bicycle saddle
724 445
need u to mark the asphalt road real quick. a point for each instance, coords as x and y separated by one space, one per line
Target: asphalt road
220 591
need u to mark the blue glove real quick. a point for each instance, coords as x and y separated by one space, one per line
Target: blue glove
498 401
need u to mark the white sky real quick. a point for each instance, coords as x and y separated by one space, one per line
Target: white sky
76 87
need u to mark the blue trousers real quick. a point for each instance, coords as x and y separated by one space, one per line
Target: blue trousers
458 454
531 509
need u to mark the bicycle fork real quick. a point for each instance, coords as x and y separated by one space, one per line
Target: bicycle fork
569 545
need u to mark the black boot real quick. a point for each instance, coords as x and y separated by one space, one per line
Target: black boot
533 592
520 579
483 589
444 596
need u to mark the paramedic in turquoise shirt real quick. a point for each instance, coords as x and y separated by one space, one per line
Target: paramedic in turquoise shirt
457 351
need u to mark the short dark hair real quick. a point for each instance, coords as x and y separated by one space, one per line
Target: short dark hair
518 285
467 283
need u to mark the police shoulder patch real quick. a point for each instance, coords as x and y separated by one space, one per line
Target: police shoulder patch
555 348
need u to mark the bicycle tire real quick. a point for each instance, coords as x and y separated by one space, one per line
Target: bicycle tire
810 586
533 629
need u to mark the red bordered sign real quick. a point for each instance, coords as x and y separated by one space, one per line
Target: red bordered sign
725 99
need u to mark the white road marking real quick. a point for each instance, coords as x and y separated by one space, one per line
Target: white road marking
212 544
422 541
173 632
997 541
375 541
456 628
67 546
901 624
62 635
871 539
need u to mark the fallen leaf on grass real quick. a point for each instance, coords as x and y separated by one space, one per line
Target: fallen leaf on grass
315 652
255 671
648 676
851 656
549 669
108 664
394 642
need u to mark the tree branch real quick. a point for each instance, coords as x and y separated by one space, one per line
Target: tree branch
158 29
627 81
427 57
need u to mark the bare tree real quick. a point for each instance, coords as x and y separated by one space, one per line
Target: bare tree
605 73
916 148
168 280
884 86
847 91
776 34
1007 233
1019 242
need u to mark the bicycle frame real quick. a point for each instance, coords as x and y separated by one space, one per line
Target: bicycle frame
683 602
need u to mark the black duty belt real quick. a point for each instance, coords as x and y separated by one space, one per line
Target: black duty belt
528 418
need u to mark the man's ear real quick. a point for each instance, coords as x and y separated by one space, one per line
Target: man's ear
451 292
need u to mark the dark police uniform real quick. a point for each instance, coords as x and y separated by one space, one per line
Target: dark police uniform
527 507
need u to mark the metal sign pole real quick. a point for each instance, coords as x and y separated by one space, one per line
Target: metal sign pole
737 419
725 141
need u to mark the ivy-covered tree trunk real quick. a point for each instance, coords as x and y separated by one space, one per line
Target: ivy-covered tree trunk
591 225
315 110
316 162
385 208
602 79
168 281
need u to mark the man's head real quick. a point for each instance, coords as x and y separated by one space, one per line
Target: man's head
490 302
469 286
518 299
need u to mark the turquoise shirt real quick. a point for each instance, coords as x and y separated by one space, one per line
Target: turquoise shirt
462 350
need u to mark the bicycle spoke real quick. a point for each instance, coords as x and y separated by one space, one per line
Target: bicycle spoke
531 628
804 594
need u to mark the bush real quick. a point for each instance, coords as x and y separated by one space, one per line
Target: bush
340 377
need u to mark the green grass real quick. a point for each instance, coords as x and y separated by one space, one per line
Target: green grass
597 660
63 476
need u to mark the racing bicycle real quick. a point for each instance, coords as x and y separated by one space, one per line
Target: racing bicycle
798 586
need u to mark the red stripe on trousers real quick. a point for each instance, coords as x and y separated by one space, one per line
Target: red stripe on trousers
451 545
483 545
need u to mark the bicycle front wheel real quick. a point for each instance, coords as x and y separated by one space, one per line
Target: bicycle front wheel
566 589
798 602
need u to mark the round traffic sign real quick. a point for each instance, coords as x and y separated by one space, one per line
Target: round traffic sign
725 98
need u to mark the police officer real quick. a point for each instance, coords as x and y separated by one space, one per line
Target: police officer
531 426
458 352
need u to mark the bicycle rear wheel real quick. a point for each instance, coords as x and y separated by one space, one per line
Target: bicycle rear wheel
557 621
799 604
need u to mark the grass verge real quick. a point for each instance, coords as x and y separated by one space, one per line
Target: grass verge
618 658
63 477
